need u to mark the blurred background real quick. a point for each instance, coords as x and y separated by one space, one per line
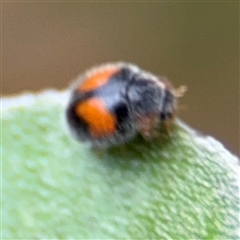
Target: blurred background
47 44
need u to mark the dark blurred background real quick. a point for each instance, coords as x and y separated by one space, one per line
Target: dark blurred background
46 45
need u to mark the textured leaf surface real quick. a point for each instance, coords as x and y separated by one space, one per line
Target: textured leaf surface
183 187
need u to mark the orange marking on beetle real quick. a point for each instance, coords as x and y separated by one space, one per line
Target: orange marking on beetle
100 121
98 79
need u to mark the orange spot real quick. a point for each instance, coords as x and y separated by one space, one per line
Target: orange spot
98 79
100 121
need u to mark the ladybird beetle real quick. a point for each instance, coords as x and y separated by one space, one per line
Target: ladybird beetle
111 103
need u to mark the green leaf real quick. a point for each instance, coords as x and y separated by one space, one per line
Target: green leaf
185 186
